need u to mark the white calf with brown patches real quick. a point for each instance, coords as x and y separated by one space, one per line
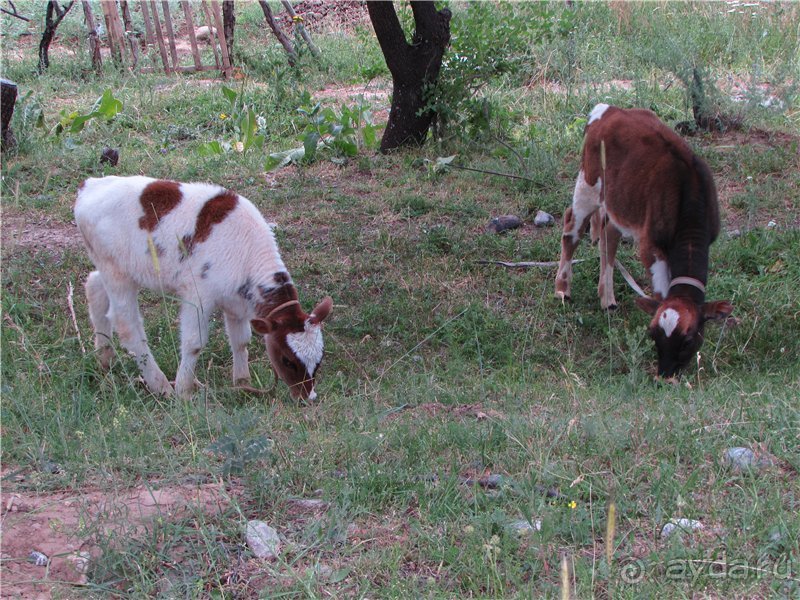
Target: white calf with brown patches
212 249
653 188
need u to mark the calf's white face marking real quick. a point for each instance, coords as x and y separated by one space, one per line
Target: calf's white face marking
307 345
597 113
668 321
660 277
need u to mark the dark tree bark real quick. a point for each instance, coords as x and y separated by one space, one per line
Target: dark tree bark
51 23
228 25
94 39
413 66
285 42
8 97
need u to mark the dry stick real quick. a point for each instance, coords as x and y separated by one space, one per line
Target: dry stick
71 307
554 263
492 173
187 10
298 22
170 33
524 265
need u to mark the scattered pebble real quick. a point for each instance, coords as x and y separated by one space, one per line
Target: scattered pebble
38 559
263 540
741 460
680 525
524 527
772 224
734 233
109 156
504 223
543 219
490 482
309 503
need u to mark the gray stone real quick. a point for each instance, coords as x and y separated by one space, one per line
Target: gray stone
741 460
524 527
674 525
263 540
38 559
504 223
543 219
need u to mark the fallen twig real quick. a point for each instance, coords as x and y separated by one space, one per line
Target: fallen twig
524 265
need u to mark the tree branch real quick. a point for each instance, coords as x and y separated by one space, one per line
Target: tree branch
390 35
13 12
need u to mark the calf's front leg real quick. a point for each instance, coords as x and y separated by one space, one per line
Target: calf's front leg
238 330
194 335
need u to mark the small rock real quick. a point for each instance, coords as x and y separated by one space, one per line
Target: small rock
504 223
734 233
740 460
680 525
772 224
38 559
80 561
109 156
204 33
309 503
263 540
543 219
523 527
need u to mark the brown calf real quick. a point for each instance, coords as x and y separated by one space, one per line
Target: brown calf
638 178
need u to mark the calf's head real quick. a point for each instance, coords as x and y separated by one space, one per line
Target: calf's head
677 328
294 344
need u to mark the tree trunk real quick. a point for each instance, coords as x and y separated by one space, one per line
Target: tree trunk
228 25
287 45
8 96
50 26
94 40
413 66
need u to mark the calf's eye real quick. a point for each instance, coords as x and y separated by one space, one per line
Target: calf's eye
289 364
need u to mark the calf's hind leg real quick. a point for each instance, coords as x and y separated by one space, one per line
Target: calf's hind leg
97 299
127 322
585 201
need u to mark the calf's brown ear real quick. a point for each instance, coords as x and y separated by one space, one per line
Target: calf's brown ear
648 305
321 310
717 310
261 326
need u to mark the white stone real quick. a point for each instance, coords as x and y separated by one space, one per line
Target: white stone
543 219
263 540
680 524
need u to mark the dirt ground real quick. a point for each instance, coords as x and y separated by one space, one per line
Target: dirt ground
64 527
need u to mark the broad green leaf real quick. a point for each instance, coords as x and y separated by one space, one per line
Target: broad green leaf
106 106
281 159
229 94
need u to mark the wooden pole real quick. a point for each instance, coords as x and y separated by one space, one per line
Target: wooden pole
94 39
159 37
187 10
170 32
210 24
223 46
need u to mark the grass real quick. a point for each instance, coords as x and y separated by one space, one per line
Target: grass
438 370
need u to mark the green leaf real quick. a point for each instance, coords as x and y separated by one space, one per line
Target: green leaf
310 145
210 149
277 160
106 106
229 94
